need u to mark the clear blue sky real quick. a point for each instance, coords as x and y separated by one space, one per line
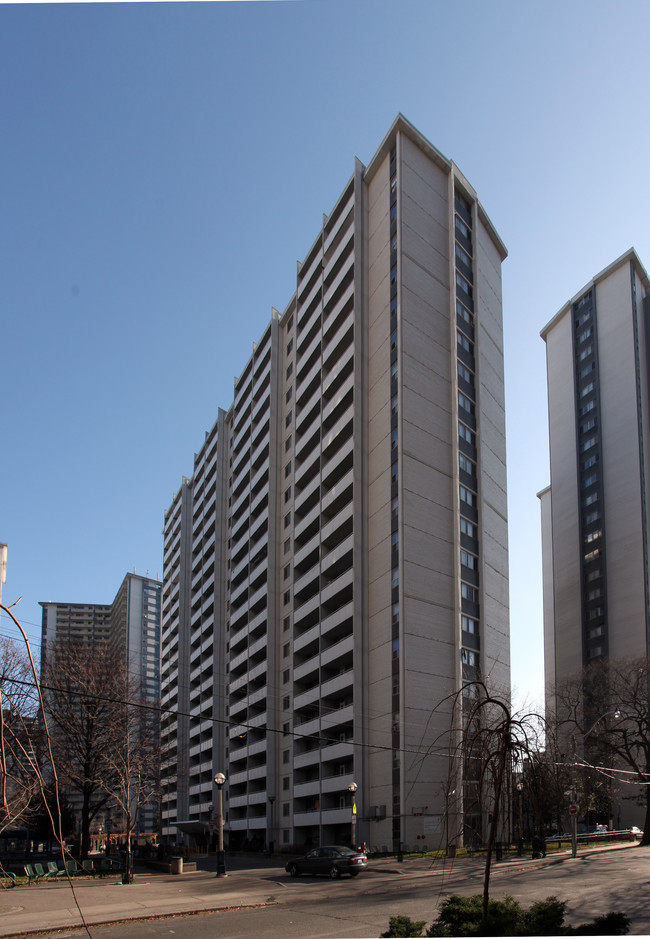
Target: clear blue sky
163 166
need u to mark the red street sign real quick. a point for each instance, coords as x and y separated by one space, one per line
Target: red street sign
573 809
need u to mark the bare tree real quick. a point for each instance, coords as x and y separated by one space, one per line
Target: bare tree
495 742
83 689
19 761
135 765
605 711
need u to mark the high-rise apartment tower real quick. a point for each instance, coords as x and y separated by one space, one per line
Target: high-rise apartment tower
595 513
337 564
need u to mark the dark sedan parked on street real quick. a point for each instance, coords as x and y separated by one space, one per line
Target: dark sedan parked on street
331 860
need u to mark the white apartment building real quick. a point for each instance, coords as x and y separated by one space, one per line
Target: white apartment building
337 568
595 511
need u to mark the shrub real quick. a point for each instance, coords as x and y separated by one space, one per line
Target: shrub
403 926
544 918
463 916
611 924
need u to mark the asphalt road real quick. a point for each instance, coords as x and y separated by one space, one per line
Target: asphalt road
361 907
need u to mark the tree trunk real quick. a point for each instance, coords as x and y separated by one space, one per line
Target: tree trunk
645 837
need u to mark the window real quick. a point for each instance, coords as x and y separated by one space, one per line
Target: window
395 507
286 623
592 517
395 577
287 572
589 443
461 227
464 313
286 703
594 594
289 418
393 372
463 341
287 596
590 555
590 461
395 613
469 625
285 783
589 480
463 285
466 464
585 334
393 439
289 346
394 473
287 495
286 674
287 470
466 495
289 369
468 592
467 657
468 560
286 649
590 499
587 388
286 811
287 519
288 443
285 753
289 395
287 546
395 648
589 424
465 433
467 528
395 541
593 536
394 404
465 403
465 373
589 406
463 256
586 352
587 369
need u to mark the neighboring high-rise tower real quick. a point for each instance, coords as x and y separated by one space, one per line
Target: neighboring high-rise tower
337 565
595 511
130 625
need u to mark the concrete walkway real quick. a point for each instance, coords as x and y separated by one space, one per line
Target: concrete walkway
60 904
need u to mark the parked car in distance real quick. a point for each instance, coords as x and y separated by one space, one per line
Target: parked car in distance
330 860
636 832
559 836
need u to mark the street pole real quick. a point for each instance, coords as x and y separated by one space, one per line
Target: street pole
353 788
221 856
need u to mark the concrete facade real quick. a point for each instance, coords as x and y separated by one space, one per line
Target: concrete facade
364 572
595 512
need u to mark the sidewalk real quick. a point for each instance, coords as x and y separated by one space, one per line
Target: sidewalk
51 905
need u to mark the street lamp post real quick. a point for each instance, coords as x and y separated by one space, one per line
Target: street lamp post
353 788
270 838
221 856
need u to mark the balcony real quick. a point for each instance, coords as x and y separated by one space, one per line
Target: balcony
340 649
345 218
302 790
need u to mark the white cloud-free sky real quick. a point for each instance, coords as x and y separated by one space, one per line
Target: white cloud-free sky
164 165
